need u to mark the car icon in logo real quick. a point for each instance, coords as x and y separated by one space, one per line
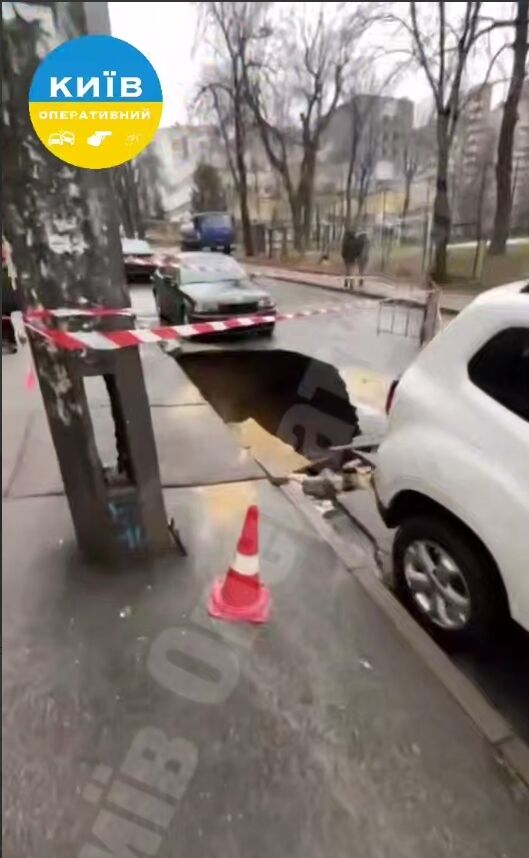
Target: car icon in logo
59 138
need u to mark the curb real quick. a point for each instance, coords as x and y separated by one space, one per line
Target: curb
510 751
286 273
262 271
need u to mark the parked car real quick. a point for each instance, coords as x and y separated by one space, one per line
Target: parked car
199 287
453 472
139 258
209 230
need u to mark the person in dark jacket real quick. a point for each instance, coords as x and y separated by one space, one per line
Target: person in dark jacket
10 304
355 251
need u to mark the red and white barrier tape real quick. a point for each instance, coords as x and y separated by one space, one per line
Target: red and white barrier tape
82 340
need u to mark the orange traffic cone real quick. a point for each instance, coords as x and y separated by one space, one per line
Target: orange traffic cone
241 596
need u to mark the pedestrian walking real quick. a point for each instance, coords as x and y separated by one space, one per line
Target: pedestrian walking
10 304
355 253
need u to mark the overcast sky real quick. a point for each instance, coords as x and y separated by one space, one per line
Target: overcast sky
165 33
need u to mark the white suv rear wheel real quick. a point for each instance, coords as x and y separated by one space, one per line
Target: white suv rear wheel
446 579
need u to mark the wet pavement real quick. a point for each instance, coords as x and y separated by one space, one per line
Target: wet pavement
133 724
501 672
235 379
362 338
367 348
315 735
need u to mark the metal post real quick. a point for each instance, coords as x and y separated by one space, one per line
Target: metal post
63 231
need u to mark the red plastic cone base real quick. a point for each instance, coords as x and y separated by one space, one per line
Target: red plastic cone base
256 612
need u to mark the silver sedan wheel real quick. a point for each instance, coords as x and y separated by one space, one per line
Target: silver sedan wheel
437 585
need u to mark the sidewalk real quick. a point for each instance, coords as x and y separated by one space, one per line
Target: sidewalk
374 286
320 730
322 733
182 420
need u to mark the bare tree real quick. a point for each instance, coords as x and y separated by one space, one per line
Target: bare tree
232 26
444 70
359 109
369 149
410 165
504 171
442 39
208 193
293 88
356 126
363 108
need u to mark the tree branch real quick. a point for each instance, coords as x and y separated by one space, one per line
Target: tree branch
423 59
227 145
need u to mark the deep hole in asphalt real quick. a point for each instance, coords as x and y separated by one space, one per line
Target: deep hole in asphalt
301 400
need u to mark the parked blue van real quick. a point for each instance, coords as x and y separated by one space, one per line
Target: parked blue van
209 230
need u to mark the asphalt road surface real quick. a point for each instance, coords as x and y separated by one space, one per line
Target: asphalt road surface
321 733
366 358
360 336
366 345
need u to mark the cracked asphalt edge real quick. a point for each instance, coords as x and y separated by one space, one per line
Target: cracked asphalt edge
511 752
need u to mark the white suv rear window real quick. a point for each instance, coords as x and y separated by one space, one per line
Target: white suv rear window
501 369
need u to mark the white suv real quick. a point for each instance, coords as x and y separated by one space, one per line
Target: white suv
453 471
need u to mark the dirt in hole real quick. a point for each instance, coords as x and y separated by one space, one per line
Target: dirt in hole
300 400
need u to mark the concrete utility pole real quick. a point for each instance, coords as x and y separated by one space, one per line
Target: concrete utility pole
62 228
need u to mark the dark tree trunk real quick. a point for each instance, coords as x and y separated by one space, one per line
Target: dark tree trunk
353 152
504 189
297 223
405 206
246 224
441 206
306 195
62 227
362 194
348 194
479 217
242 183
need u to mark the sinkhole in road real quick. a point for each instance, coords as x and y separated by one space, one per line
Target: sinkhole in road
300 400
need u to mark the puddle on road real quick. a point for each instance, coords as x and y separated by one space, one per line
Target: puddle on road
285 405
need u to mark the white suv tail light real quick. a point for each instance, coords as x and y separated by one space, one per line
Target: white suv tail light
391 394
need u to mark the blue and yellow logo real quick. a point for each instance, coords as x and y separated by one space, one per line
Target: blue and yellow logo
95 102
